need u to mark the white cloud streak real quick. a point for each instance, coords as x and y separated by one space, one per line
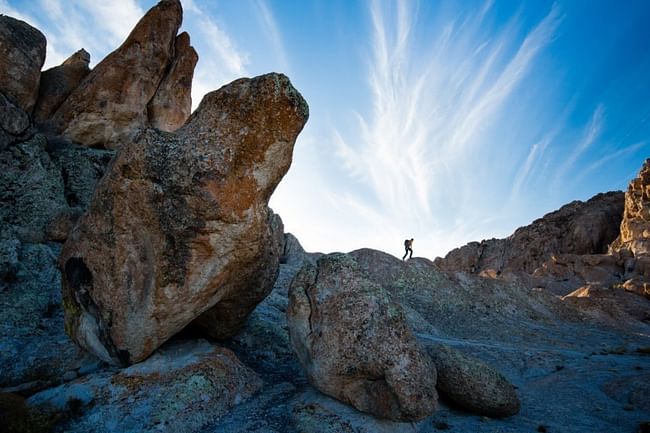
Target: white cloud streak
99 27
590 136
272 31
429 120
220 60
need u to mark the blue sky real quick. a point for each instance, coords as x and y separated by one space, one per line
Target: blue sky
445 121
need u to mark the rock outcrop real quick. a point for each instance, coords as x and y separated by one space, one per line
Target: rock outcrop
243 294
13 121
355 344
40 181
627 263
181 223
471 384
184 387
576 228
109 107
58 82
635 228
22 54
172 103
31 190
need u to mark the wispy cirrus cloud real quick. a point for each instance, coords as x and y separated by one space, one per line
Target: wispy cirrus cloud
99 27
590 136
272 30
431 119
220 58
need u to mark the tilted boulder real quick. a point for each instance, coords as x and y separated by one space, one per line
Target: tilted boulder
225 319
172 103
471 384
109 107
355 344
22 54
180 222
635 227
58 82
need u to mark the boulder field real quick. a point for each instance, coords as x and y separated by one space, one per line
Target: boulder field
146 285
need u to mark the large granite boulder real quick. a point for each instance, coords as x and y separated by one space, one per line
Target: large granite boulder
58 82
229 315
355 344
172 103
180 222
22 54
109 107
472 385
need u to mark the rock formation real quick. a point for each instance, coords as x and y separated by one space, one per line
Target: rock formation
58 82
13 122
590 253
171 105
472 385
635 228
179 233
184 387
181 223
39 182
243 294
109 107
22 54
576 228
355 344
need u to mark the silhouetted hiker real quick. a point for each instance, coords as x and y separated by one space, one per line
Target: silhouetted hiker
408 246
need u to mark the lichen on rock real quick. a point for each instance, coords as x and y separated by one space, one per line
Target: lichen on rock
181 223
355 344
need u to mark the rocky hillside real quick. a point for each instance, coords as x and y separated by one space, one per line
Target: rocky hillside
146 285
576 228
593 253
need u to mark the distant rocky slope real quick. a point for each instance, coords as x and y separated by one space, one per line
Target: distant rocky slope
133 234
594 253
576 228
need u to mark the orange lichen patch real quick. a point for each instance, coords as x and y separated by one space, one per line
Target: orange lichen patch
237 193
202 248
134 383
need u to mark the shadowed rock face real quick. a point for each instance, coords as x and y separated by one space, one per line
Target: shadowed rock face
472 385
172 103
109 107
355 344
180 223
22 54
58 82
